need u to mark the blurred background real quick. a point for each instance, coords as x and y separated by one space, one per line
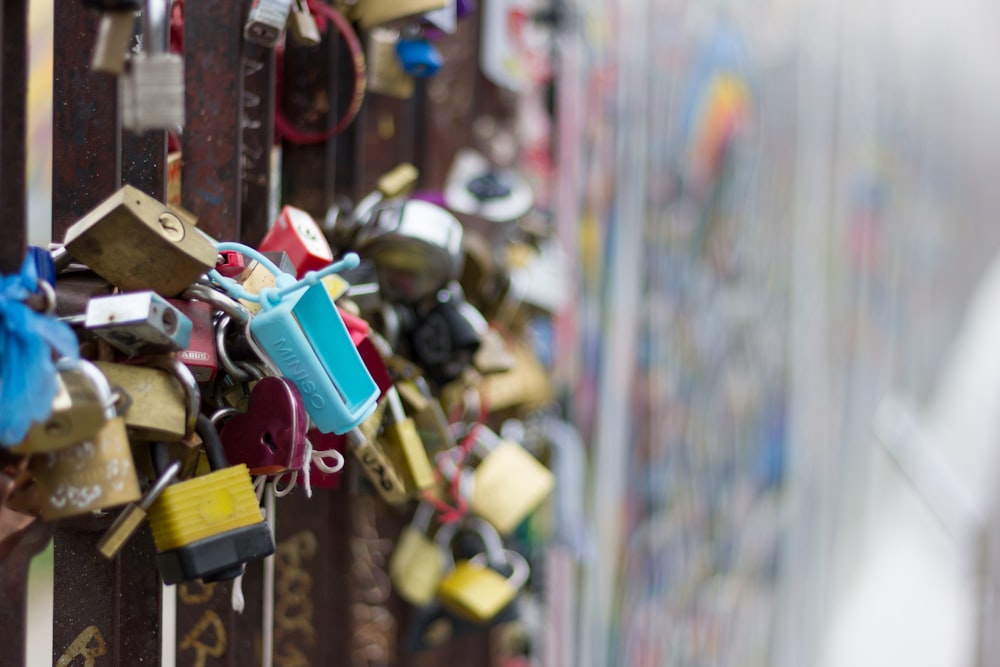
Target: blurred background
778 220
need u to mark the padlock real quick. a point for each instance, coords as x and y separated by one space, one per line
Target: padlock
96 474
114 33
416 247
321 442
509 483
364 342
525 385
270 438
418 57
476 187
417 565
152 87
446 338
377 467
159 403
210 526
391 185
404 448
138 323
474 589
303 24
199 355
297 234
79 409
266 21
133 515
137 243
300 332
432 424
230 264
370 13
385 72
257 277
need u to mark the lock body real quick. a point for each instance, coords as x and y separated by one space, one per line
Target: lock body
270 438
78 414
385 73
153 92
200 354
137 243
207 527
86 477
139 323
475 592
154 403
297 234
416 567
376 12
509 484
266 21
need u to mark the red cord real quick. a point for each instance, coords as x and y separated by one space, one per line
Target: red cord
284 128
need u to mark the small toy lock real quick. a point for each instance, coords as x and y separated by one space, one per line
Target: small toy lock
208 527
474 589
300 331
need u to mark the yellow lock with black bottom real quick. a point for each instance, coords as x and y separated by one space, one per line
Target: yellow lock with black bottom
210 526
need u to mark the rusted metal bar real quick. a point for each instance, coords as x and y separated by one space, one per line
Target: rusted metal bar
446 105
144 162
212 144
86 139
311 101
258 138
13 99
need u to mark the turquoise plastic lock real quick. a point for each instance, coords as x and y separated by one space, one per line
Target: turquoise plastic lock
301 331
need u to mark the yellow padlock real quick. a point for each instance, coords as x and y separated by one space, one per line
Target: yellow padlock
417 563
474 589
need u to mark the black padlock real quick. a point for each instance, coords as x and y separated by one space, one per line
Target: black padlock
444 340
208 527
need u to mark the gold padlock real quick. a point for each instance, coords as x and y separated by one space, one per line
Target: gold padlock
254 279
79 410
417 564
377 12
404 448
385 73
525 386
432 424
509 483
474 589
159 405
138 243
93 475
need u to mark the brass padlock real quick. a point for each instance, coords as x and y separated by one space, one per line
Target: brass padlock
509 483
138 243
474 589
385 74
92 475
371 13
210 526
79 410
375 464
159 403
432 424
525 386
417 564
404 448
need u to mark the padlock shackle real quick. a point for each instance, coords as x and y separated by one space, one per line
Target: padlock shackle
189 386
154 23
218 300
96 377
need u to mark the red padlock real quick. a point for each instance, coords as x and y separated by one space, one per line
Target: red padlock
230 264
200 356
298 235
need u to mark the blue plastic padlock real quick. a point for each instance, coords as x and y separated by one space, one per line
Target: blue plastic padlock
301 331
418 57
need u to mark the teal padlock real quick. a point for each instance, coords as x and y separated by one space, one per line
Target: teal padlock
301 332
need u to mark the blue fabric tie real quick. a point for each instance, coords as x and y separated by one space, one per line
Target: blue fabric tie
27 371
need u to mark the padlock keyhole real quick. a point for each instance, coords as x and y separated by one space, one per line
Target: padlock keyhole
268 440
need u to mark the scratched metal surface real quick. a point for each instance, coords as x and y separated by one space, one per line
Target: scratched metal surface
86 135
258 137
13 31
212 144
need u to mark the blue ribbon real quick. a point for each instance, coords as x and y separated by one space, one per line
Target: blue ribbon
27 371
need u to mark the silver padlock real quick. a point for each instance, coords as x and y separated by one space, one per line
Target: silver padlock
416 245
266 21
303 24
139 323
152 89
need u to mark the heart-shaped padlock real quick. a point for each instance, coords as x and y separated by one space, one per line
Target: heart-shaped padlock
270 438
